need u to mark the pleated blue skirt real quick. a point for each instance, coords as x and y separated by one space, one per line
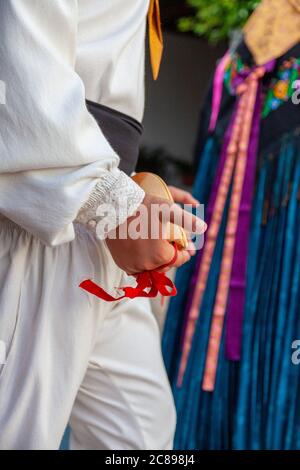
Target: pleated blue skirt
256 402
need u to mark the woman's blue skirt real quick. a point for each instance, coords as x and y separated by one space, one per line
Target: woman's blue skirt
256 402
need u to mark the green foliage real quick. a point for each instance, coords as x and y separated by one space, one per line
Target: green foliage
216 19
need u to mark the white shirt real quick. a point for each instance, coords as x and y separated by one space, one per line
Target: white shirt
110 53
54 159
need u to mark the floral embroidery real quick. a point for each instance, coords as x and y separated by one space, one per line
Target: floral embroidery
279 91
234 68
281 88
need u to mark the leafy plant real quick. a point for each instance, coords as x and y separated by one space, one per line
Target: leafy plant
217 19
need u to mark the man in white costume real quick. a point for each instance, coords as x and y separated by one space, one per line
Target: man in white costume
69 356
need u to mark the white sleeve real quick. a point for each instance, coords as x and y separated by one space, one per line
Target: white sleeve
54 158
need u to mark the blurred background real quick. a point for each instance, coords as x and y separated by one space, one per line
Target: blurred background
196 34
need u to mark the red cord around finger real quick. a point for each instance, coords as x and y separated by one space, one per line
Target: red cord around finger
173 260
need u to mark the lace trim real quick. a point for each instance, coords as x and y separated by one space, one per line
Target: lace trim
115 198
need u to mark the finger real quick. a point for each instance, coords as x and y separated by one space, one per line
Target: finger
188 221
166 253
191 248
182 258
161 253
183 197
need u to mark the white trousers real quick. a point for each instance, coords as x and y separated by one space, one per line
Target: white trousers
71 357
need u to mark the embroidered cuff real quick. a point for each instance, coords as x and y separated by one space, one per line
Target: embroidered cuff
115 198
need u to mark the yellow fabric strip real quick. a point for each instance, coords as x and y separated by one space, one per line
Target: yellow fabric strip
273 29
155 37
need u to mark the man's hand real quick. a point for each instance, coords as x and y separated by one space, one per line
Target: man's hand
184 197
138 255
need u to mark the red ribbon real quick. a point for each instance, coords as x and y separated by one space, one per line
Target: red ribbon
149 284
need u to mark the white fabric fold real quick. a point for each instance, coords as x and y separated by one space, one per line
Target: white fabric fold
52 152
